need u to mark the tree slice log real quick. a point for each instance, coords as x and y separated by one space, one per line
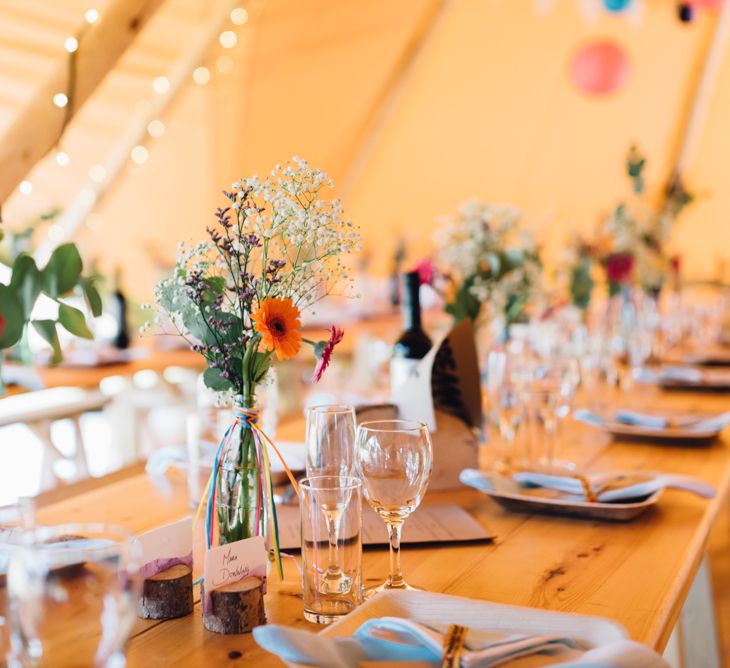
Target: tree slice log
236 607
168 594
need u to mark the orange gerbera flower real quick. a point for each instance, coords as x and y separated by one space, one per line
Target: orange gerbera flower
277 320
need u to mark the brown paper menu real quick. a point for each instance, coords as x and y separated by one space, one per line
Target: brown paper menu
436 523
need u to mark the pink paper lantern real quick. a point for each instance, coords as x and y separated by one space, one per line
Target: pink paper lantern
600 67
713 5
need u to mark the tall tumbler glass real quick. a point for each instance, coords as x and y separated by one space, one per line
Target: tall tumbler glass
330 446
72 594
331 565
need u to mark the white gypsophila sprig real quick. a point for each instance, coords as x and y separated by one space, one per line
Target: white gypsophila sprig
299 226
465 239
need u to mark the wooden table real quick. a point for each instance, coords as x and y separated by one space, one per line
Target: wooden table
637 574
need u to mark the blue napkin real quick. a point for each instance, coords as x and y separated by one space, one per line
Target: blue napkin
399 639
637 419
589 417
681 374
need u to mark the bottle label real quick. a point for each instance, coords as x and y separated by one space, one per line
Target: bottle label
401 368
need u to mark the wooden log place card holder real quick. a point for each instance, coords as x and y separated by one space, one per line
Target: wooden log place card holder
167 571
234 584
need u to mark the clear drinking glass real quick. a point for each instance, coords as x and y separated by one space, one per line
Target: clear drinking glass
331 565
394 459
330 440
507 377
15 519
72 586
330 445
552 390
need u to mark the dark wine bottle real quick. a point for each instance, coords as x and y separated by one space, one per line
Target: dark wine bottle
398 256
118 308
413 344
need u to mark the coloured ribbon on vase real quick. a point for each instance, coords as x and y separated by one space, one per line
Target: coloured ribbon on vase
247 419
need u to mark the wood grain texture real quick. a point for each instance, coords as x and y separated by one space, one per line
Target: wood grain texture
637 574
168 594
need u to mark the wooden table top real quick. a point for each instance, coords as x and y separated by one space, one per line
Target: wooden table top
637 574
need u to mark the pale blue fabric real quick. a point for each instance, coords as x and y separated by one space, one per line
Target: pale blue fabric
589 417
416 643
637 419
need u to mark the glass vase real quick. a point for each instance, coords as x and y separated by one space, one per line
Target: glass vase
242 502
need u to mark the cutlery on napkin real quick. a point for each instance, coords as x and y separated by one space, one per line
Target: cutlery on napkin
628 417
398 639
605 485
682 374
650 421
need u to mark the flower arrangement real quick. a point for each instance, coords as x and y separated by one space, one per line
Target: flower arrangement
631 243
636 235
486 259
276 249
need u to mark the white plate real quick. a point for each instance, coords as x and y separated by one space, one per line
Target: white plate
668 433
438 609
514 497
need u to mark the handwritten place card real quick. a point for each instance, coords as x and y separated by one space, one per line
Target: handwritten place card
166 546
234 561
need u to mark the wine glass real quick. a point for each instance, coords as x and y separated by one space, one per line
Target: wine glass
553 386
74 586
330 445
505 383
394 459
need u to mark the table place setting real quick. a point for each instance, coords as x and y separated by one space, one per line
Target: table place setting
430 629
626 423
672 377
612 496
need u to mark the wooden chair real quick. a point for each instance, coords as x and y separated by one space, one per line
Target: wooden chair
39 409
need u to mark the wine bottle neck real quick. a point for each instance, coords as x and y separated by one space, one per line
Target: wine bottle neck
411 304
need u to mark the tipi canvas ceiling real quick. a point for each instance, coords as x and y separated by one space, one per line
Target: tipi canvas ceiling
412 106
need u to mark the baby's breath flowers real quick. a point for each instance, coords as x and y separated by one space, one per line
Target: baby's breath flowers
276 248
486 259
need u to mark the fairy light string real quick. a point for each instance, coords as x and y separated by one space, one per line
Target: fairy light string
66 99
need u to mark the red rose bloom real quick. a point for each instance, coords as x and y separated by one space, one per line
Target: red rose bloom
619 267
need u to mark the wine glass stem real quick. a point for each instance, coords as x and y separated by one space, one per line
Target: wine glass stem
551 429
395 579
333 528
